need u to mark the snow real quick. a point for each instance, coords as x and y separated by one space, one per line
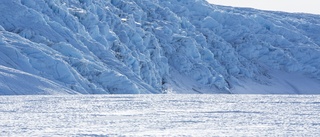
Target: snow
281 83
160 115
10 78
143 47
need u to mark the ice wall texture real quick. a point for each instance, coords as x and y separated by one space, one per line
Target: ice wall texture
149 46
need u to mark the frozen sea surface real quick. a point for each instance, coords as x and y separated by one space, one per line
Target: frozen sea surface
160 115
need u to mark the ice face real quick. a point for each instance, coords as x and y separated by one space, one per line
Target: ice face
143 46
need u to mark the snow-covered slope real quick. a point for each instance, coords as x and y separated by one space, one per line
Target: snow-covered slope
155 46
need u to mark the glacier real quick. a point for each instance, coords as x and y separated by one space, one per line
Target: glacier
155 46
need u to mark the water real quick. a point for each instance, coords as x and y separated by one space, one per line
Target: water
160 115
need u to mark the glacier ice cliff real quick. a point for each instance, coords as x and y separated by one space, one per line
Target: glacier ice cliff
155 46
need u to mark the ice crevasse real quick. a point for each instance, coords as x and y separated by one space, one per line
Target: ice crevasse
155 46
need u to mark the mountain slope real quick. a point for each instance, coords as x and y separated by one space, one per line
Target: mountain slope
151 46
